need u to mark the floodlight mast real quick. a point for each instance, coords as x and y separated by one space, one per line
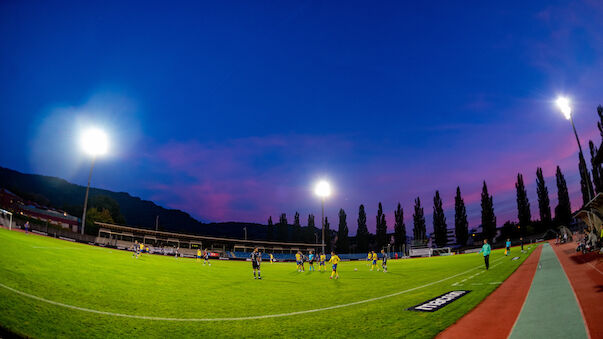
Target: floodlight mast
323 190
94 142
563 103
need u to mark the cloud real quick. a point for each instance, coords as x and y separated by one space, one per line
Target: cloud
249 179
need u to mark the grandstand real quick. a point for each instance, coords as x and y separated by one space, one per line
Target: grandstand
123 237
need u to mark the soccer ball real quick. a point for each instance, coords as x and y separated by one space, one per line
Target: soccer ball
355 269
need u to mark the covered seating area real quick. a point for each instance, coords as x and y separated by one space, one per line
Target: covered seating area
123 237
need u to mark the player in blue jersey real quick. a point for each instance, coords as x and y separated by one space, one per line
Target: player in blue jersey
311 261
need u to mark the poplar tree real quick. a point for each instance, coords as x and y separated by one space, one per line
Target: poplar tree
418 219
488 216
343 242
311 220
381 231
439 221
399 228
597 168
296 227
524 215
362 233
563 211
283 227
586 184
544 204
461 225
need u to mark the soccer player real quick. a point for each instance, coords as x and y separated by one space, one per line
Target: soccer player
206 258
141 249
298 260
198 254
486 249
311 260
384 261
271 258
369 257
508 246
256 259
303 259
135 253
321 265
521 241
374 257
334 260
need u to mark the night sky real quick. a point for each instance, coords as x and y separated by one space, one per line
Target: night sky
231 111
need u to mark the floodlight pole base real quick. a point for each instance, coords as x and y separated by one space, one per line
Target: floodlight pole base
86 199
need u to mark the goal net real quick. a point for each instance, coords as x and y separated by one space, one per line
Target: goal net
6 219
441 251
420 252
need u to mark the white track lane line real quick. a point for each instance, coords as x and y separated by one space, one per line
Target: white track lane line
83 309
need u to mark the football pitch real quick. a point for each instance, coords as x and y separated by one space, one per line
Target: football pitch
56 288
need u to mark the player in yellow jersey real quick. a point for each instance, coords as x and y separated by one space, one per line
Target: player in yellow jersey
198 254
298 260
334 260
374 257
321 264
271 258
369 257
141 248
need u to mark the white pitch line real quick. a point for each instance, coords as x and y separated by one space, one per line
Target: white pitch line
83 309
462 281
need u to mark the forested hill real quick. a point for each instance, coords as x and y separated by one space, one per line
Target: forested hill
61 194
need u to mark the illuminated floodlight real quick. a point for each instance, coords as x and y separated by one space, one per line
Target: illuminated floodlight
564 106
94 142
323 189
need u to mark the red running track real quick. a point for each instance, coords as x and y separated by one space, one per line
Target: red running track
585 273
495 316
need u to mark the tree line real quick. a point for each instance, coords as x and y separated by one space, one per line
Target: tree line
364 240
340 240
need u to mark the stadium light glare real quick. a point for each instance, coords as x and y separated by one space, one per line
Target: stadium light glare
323 189
563 104
95 142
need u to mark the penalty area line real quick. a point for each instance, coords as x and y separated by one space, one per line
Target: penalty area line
267 316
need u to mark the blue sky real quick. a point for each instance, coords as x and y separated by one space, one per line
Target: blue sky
232 110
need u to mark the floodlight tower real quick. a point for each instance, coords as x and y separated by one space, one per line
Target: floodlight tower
563 103
95 143
323 190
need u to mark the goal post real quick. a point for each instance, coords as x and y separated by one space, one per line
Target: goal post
441 251
420 252
10 215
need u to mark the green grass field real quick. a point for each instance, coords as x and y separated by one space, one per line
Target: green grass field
112 281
